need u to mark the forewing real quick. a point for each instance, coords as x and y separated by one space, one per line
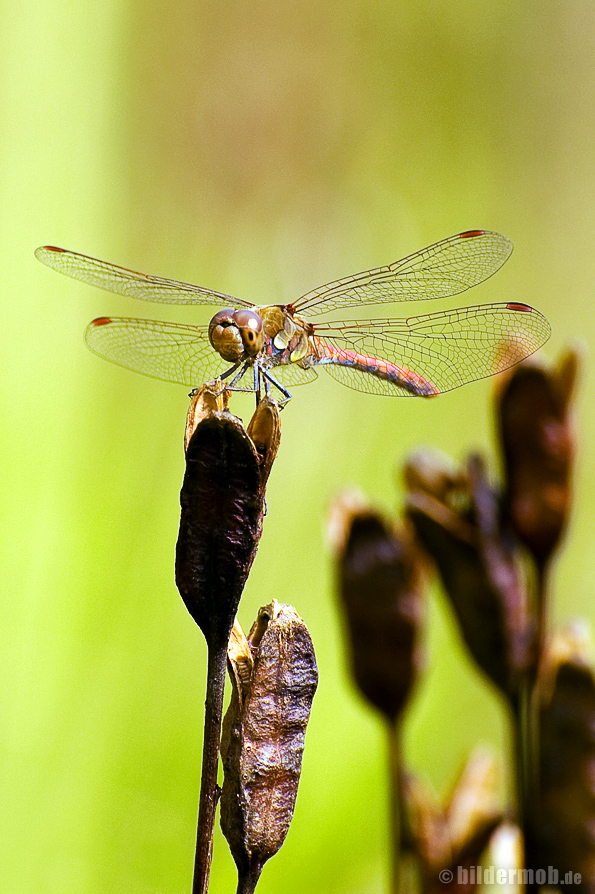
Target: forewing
169 351
443 269
129 283
446 349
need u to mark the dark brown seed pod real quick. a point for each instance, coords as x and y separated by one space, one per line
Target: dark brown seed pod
263 737
380 591
565 817
459 526
222 502
537 444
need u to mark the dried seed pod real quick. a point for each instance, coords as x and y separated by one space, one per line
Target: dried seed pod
343 509
565 817
537 445
263 738
380 590
451 838
473 809
434 473
459 526
222 502
209 398
264 430
240 660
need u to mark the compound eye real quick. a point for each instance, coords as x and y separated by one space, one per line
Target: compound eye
250 325
225 336
223 318
248 319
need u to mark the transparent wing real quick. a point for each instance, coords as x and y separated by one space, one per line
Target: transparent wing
292 374
445 349
169 351
129 283
443 269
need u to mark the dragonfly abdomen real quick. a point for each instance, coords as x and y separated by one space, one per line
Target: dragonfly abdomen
400 376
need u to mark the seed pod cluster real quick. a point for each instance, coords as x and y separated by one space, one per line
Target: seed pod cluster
222 501
492 546
274 677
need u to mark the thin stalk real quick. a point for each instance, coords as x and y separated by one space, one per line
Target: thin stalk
527 738
541 608
527 757
247 881
394 762
209 792
401 839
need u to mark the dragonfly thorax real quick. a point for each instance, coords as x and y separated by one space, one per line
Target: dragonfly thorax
286 334
236 334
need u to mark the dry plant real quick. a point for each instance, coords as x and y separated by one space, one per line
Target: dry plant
273 670
492 546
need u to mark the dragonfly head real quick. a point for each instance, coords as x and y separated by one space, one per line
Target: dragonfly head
236 334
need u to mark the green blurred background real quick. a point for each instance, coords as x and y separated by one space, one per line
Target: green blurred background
259 151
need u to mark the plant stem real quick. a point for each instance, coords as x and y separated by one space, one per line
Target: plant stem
248 880
399 843
527 768
527 737
209 792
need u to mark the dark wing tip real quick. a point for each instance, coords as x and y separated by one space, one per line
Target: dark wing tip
100 321
42 252
524 308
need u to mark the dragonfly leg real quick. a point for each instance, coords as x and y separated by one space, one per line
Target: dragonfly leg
238 377
269 378
232 369
223 375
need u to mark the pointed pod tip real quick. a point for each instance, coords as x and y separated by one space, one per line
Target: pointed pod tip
208 398
345 506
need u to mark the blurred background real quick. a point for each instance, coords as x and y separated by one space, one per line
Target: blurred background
260 151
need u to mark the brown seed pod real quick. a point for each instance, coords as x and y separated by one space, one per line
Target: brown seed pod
222 502
263 737
264 430
565 818
459 526
380 591
537 444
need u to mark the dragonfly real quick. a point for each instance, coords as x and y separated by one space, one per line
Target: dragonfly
258 348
